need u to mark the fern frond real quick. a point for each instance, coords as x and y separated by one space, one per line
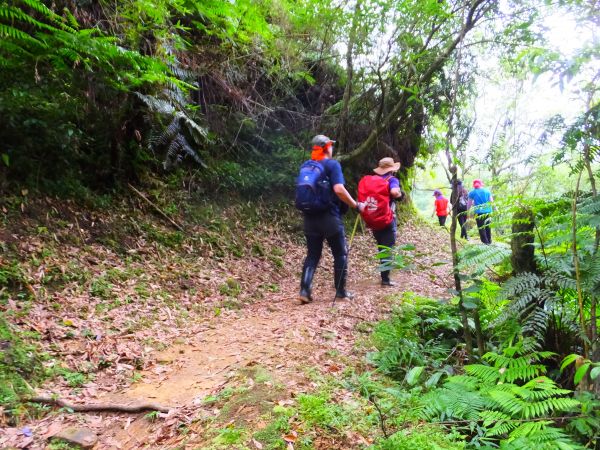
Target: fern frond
18 35
519 284
507 402
178 150
590 206
14 14
536 322
156 105
199 133
42 9
530 428
479 257
486 374
561 280
491 417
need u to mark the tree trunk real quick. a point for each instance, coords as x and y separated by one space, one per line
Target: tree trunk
521 243
586 352
593 331
478 333
343 127
457 283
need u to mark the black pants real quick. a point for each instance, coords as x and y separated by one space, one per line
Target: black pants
319 228
442 220
387 238
485 231
462 221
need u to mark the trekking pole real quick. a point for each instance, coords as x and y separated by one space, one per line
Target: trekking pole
347 256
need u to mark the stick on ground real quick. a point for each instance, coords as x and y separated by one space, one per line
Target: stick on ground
97 407
160 211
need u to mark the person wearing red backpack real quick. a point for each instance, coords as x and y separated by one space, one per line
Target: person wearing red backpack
320 192
376 195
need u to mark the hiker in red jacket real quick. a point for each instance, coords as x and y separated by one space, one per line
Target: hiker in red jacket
377 193
441 207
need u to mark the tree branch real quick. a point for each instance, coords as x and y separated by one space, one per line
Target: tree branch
396 111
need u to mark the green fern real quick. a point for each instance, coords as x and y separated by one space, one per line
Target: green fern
508 412
479 257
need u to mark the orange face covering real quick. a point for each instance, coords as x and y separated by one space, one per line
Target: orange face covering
320 153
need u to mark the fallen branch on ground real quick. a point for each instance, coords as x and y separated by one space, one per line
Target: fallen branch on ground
100 406
160 211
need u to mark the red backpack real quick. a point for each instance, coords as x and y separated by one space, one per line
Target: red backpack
374 192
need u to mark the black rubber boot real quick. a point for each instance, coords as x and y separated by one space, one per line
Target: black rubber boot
305 283
340 287
385 278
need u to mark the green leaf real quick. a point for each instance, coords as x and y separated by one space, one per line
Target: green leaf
568 360
434 379
407 247
412 377
581 372
5 159
595 372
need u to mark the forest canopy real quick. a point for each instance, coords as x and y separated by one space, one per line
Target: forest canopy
98 93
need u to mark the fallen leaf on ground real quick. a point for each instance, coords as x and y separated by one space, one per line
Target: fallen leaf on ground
291 437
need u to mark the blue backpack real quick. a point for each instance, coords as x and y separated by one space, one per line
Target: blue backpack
313 190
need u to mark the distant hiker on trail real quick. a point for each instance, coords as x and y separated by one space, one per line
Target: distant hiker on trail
461 203
377 193
319 189
481 199
441 207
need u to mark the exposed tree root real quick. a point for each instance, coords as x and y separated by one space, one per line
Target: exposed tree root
96 407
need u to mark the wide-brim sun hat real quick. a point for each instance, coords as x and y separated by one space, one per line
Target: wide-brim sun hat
386 165
477 183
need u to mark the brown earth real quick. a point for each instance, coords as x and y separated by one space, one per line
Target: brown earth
203 334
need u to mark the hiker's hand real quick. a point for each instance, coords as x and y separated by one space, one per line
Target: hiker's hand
360 206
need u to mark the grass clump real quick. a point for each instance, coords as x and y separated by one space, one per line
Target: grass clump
20 366
231 287
422 438
101 288
271 436
319 411
229 436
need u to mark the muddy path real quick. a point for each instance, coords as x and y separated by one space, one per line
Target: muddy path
276 334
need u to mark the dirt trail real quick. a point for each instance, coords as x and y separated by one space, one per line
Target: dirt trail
279 334
275 333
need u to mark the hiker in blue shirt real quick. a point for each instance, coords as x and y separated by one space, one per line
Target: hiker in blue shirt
481 200
325 223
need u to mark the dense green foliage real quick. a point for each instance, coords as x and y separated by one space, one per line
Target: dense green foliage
94 94
203 98
20 364
100 93
509 399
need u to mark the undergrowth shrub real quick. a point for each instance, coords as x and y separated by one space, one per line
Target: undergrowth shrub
20 365
420 333
509 402
422 438
320 411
